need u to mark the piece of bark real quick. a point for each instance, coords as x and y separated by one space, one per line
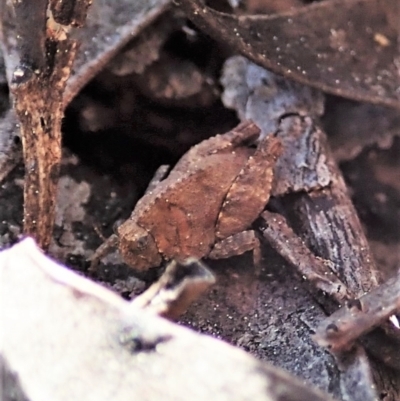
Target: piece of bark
327 222
46 54
316 271
67 338
247 86
356 318
308 169
39 107
325 217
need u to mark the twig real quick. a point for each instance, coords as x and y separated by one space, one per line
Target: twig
177 288
342 328
39 80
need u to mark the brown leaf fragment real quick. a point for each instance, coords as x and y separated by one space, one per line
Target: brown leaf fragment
67 338
345 47
359 316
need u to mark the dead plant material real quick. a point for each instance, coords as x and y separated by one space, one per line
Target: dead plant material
180 285
39 81
352 51
67 338
359 316
326 245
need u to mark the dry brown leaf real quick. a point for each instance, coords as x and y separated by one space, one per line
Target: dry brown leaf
345 47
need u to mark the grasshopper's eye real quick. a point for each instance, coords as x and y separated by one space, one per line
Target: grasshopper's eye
142 242
138 247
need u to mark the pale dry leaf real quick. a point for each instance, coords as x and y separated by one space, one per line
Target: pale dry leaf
67 338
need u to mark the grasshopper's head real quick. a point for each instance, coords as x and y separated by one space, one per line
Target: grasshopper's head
138 247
